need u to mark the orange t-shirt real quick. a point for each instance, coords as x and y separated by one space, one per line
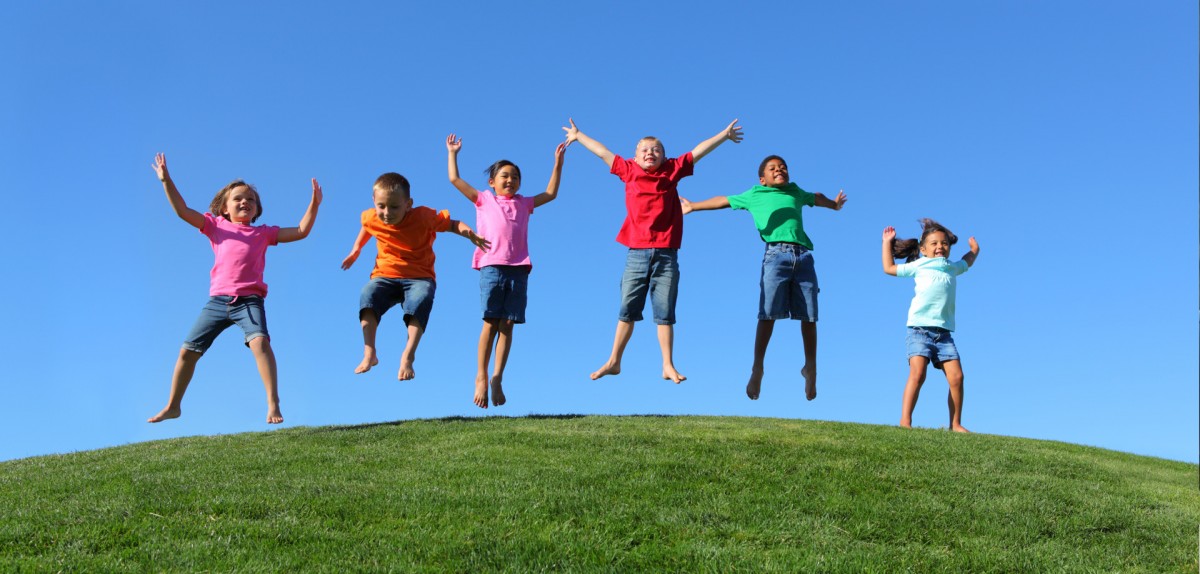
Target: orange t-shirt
406 249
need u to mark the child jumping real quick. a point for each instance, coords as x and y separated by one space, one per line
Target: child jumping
236 288
503 215
788 284
653 232
403 272
931 315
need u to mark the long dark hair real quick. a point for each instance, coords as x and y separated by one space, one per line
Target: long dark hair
910 249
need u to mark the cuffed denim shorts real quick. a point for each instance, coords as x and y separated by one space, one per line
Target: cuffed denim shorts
222 311
788 287
504 291
933 343
654 272
415 296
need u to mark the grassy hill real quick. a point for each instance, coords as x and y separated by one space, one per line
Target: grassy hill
598 493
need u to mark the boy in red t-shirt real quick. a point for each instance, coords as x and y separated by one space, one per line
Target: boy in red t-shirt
653 231
403 271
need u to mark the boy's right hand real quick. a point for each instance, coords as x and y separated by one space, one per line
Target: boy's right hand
349 260
687 205
572 132
453 144
160 166
889 233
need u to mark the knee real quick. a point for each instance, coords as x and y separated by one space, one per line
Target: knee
189 356
956 381
260 345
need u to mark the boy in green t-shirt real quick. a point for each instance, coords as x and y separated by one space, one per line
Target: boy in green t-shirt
789 281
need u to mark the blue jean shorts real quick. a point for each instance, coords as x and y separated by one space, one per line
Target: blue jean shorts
933 343
504 290
654 272
788 287
415 296
220 313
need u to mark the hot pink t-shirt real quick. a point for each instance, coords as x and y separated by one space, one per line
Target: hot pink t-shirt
241 256
505 222
654 218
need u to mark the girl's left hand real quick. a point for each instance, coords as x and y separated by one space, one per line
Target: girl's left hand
317 195
889 233
160 166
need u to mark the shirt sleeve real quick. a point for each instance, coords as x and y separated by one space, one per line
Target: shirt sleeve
620 167
209 228
272 234
906 269
739 201
441 221
959 267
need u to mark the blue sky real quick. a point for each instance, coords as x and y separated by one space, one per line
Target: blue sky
1062 135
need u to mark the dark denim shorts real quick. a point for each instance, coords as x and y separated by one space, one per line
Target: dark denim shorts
504 291
788 287
415 296
653 272
220 313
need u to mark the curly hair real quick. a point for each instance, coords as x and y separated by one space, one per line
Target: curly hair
910 249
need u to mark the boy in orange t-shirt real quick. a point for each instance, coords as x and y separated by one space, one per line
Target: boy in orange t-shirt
403 271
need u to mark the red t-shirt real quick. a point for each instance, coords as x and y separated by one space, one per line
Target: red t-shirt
405 250
654 218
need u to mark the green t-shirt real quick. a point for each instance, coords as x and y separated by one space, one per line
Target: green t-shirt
776 211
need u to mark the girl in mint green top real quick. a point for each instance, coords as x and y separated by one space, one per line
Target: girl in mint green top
931 315
788 285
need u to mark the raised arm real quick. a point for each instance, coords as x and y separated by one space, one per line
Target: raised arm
289 234
970 256
573 134
889 261
732 132
359 242
461 228
551 192
834 204
191 216
453 145
718 202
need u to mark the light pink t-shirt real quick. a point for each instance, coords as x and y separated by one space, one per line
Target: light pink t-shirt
505 222
241 255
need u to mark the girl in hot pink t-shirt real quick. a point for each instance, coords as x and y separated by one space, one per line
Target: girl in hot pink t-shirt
502 217
236 288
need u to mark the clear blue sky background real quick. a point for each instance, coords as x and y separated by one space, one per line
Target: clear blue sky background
1063 135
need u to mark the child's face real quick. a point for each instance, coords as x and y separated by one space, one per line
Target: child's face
391 207
241 205
649 154
936 245
775 174
506 182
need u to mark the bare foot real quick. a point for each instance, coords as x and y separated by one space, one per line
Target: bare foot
670 374
167 413
406 370
959 428
608 369
755 384
810 381
497 390
369 360
905 423
274 417
481 391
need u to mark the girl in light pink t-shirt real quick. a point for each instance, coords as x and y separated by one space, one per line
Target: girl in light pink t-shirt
236 287
502 217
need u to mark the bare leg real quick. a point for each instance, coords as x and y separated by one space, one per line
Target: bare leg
666 341
185 367
264 357
503 346
762 338
954 400
912 389
370 324
486 336
613 366
410 351
808 330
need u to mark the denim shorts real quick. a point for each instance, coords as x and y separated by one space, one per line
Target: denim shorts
654 272
415 296
503 290
788 287
219 313
933 343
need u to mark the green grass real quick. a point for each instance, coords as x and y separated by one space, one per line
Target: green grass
596 493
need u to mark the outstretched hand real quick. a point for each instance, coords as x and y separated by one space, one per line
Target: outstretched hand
974 245
572 132
349 261
889 233
160 166
560 152
840 200
453 144
687 205
317 194
733 132
479 241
